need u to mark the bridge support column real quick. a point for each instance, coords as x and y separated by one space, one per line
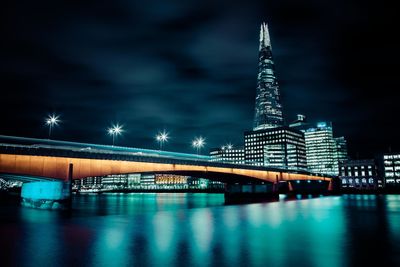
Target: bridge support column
53 195
308 187
237 193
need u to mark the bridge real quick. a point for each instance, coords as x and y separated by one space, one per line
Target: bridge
51 159
29 158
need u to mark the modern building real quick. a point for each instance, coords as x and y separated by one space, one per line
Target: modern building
322 156
390 165
280 147
228 154
268 108
341 147
300 123
270 143
201 183
170 179
147 180
360 175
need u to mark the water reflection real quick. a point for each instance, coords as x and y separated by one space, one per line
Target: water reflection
198 230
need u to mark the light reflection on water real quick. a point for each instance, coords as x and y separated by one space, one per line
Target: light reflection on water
199 230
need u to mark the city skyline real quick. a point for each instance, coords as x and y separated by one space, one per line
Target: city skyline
94 72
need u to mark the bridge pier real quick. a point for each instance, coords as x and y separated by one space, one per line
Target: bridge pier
239 193
53 195
309 187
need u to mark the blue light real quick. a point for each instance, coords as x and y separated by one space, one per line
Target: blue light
321 124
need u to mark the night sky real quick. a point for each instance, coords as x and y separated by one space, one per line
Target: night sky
190 67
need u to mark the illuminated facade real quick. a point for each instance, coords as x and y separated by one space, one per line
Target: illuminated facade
391 169
280 147
170 179
228 155
322 156
341 147
268 108
360 175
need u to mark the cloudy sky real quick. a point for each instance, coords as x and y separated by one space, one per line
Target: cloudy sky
190 67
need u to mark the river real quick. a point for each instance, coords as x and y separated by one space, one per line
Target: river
183 229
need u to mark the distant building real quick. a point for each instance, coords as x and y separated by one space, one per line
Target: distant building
201 183
322 156
228 154
170 179
341 147
360 174
268 107
280 147
390 166
147 180
300 123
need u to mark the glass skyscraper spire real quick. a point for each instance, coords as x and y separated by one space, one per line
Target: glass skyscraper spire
268 111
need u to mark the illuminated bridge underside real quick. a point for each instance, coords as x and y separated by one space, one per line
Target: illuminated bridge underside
57 167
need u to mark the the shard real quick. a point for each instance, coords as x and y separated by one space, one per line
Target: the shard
268 109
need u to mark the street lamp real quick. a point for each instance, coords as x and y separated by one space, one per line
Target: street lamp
227 147
162 137
198 143
51 121
114 131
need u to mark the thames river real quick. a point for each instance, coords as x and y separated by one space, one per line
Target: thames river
182 229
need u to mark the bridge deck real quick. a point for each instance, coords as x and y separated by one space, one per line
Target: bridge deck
51 159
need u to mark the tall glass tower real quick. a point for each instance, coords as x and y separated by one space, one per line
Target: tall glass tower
268 111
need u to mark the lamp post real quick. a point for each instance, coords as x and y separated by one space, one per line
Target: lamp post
51 121
114 131
198 143
227 147
161 138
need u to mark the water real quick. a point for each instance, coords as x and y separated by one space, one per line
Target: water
199 230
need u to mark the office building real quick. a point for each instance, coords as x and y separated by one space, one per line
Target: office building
390 165
228 154
341 147
360 175
280 147
322 156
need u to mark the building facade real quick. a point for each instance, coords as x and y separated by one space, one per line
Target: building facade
280 147
322 156
390 165
228 154
268 108
341 147
360 175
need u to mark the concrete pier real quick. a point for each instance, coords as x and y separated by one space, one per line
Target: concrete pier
46 195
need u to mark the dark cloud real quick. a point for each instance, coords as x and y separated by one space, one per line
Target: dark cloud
190 67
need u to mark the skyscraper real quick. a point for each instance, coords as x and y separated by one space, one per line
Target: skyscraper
268 109
321 149
270 143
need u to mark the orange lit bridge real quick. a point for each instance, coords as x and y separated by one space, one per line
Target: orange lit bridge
28 157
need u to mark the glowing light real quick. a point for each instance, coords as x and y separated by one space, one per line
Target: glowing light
198 143
114 131
51 121
162 137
